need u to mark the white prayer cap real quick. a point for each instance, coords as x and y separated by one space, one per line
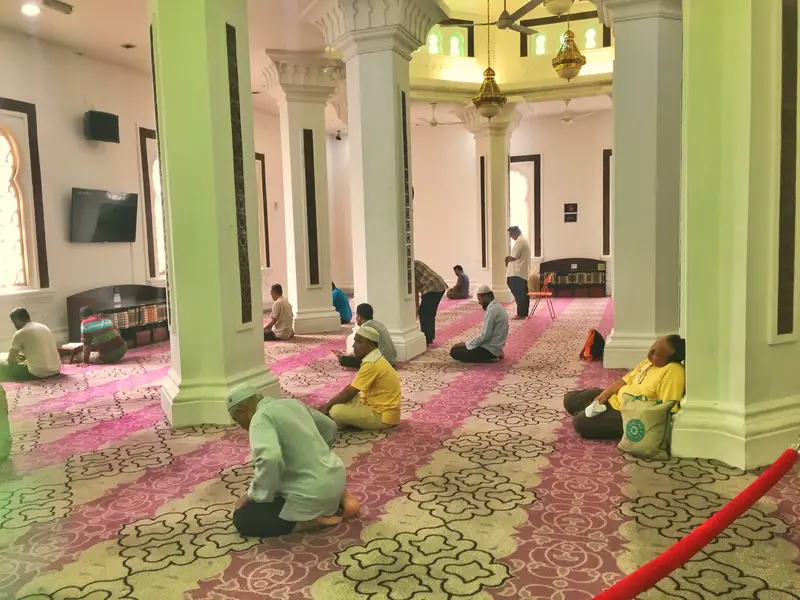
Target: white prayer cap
484 289
239 394
369 333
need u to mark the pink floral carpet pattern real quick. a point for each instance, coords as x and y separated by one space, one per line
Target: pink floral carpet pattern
483 491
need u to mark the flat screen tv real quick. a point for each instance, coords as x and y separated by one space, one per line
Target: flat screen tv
99 216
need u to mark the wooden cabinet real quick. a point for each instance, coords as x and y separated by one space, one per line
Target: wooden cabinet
576 277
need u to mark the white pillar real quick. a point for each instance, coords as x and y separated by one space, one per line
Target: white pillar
376 39
205 128
647 172
301 83
741 314
492 148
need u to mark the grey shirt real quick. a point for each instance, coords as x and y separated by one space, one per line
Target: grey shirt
495 330
462 285
385 343
292 459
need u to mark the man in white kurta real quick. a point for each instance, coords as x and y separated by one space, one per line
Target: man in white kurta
518 266
297 479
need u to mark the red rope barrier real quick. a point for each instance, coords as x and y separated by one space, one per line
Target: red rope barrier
657 569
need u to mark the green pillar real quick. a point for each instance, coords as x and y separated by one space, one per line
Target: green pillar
743 381
205 126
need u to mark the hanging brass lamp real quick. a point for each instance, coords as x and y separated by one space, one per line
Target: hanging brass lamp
569 61
489 100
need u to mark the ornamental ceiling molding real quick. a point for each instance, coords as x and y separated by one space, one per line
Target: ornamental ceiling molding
355 26
457 92
611 11
506 121
302 75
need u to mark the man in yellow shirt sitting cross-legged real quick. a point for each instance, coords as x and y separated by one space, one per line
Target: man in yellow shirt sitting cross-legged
373 400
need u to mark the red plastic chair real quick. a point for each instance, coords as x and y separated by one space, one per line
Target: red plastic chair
543 294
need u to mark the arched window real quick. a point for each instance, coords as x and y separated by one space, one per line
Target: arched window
540 44
457 45
434 43
159 226
590 38
13 266
519 212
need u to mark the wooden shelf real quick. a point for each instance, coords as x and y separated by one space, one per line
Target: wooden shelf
576 277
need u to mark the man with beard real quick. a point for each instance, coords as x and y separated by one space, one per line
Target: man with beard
488 345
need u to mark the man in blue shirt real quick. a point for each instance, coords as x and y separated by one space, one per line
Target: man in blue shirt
488 345
342 305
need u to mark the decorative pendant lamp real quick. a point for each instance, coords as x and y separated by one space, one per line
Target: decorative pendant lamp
569 61
489 100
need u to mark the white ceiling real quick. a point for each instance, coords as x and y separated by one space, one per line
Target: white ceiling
99 28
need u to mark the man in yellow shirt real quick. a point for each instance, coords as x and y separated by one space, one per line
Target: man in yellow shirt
659 377
373 400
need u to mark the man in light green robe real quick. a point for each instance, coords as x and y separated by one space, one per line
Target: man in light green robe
298 482
5 429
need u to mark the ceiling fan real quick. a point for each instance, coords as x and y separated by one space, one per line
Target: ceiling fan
433 121
569 116
508 20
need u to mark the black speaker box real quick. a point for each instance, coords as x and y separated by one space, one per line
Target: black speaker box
101 127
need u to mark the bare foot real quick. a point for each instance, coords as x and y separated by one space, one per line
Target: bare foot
349 505
318 523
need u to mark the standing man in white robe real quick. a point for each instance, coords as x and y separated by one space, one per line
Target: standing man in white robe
518 266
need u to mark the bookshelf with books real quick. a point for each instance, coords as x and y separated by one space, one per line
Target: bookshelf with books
138 311
576 277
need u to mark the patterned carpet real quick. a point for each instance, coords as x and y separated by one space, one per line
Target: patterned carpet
483 491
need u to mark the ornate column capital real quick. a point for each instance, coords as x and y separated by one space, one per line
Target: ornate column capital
362 26
302 76
617 11
503 124
339 103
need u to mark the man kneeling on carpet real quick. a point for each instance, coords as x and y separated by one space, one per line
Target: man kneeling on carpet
489 344
373 400
596 413
298 482
101 339
365 317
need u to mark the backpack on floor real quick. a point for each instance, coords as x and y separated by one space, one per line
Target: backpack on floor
594 346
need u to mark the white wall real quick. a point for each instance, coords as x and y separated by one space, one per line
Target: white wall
63 86
446 206
446 202
268 142
340 225
572 172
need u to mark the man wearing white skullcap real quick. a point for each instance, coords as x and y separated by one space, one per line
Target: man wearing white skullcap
298 482
489 344
372 401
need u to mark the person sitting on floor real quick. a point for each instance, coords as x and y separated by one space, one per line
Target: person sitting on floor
460 291
373 400
365 318
342 305
101 339
281 319
659 377
33 354
5 429
298 481
488 345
